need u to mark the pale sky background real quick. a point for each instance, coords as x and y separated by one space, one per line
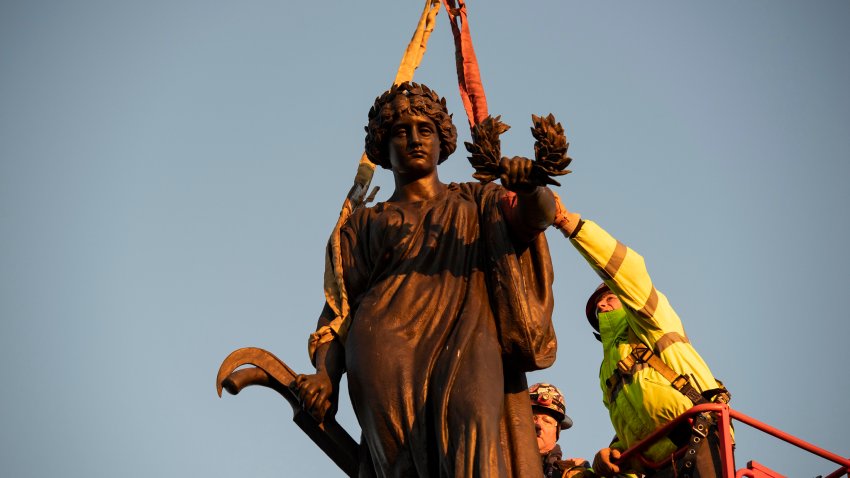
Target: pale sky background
170 172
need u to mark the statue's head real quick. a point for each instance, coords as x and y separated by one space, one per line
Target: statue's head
413 99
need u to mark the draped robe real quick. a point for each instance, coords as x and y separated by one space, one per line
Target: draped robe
449 310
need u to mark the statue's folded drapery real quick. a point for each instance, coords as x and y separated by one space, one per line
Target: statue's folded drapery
449 310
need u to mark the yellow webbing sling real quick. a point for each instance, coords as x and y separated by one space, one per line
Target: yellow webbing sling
334 286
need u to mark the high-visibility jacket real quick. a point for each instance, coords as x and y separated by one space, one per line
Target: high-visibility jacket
647 401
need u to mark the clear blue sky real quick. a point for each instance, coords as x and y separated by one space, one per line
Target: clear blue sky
170 171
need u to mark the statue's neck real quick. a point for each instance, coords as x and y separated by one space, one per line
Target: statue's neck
420 189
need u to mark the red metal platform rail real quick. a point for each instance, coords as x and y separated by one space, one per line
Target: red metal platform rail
724 416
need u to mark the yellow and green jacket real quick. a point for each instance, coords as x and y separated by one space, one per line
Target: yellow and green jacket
647 401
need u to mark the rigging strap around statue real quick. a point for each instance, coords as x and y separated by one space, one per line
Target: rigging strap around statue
475 104
468 75
334 286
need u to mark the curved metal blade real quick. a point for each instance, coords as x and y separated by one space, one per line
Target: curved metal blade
271 372
263 359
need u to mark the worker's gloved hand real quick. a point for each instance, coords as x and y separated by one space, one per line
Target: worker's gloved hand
603 462
565 220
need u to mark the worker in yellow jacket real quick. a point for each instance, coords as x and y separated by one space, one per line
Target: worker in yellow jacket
634 321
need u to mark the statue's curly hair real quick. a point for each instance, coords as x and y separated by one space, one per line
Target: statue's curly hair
411 98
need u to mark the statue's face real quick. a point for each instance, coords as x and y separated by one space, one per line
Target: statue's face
413 146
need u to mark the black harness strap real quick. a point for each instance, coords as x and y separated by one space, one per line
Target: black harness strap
640 357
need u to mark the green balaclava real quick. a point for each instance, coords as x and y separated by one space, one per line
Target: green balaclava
612 325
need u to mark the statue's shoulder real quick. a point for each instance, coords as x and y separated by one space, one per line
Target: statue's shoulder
363 215
477 191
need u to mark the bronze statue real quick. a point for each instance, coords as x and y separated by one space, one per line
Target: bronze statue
449 287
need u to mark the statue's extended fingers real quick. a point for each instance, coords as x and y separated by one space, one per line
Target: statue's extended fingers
324 409
317 405
306 391
513 172
309 402
513 166
520 170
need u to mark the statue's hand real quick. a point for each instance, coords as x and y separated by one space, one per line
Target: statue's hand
515 174
318 394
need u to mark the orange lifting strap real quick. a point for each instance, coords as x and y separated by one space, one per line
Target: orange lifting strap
475 104
468 75
334 287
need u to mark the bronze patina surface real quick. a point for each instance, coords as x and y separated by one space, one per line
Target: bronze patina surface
450 298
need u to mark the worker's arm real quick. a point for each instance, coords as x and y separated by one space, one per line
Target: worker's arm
623 270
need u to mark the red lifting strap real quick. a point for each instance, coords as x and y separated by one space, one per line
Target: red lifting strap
468 76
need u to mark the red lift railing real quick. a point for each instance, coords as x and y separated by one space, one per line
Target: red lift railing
724 416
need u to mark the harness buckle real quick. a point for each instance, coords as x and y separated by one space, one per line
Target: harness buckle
642 354
722 397
700 428
625 365
680 382
701 424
